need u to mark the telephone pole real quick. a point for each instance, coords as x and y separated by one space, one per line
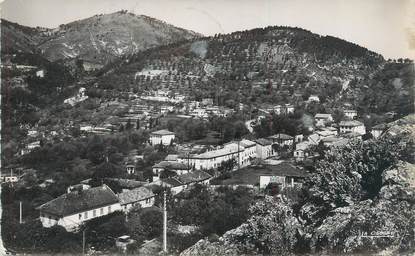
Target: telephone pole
20 213
164 223
239 158
83 242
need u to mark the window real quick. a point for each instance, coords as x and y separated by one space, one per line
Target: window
80 216
86 215
94 213
101 211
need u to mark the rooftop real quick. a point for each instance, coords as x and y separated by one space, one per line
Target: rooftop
171 165
263 142
163 132
80 201
352 123
194 176
135 195
322 116
281 136
247 143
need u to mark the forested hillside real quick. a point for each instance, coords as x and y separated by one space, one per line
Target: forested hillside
271 65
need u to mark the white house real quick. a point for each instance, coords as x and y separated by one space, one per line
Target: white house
263 148
141 196
313 98
178 167
352 126
130 168
284 175
249 151
164 137
378 130
72 209
301 150
40 73
282 139
214 158
323 119
350 113
9 178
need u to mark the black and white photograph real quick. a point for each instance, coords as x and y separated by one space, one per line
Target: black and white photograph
207 127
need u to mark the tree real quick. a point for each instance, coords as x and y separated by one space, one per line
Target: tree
353 172
338 115
128 125
227 166
272 229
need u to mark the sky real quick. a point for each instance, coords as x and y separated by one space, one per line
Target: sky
384 26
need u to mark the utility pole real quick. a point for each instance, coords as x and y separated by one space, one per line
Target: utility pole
164 223
188 161
83 242
239 158
20 213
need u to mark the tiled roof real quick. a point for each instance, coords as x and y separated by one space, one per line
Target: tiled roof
135 195
263 142
127 183
194 176
352 123
80 201
323 116
171 157
162 132
172 181
247 143
187 178
171 165
285 169
380 127
281 136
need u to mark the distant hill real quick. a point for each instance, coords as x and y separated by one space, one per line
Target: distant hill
275 65
95 40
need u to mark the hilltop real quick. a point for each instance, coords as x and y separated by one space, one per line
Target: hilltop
95 40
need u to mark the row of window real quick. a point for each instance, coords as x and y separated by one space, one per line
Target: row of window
94 213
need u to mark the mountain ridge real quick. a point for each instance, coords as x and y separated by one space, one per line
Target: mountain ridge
98 39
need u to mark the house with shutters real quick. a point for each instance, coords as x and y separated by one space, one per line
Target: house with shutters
141 196
78 205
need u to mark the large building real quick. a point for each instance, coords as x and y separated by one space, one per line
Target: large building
214 158
164 137
352 126
72 209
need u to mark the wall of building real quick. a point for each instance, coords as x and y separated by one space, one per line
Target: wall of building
72 221
163 139
143 204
